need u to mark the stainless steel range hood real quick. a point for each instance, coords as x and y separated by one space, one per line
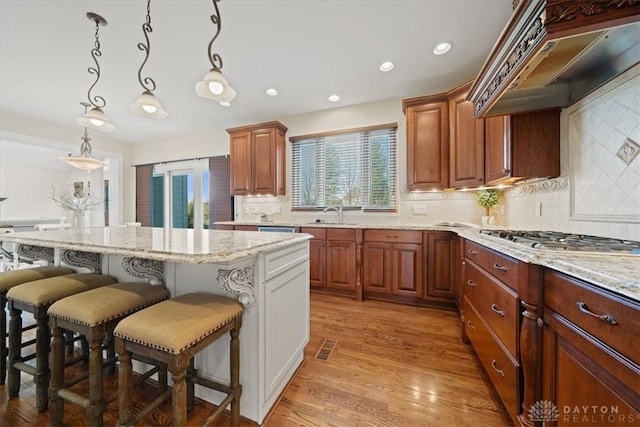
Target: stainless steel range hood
552 53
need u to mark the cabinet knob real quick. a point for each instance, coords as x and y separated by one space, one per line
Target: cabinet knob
471 283
604 317
496 310
494 365
471 325
499 267
472 252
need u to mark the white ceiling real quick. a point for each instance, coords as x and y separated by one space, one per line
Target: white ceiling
306 49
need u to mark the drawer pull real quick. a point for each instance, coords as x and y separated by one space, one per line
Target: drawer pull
472 252
496 310
604 317
494 364
471 283
471 325
392 237
499 267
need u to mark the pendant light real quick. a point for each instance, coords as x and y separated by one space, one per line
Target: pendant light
95 117
84 161
147 104
214 85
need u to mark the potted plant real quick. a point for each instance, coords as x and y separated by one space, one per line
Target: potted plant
487 199
77 203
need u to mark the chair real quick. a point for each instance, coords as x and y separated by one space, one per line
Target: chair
36 297
173 332
94 314
9 279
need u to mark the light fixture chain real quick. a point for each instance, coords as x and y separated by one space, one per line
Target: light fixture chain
147 83
214 58
97 100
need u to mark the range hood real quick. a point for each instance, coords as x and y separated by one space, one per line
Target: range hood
554 52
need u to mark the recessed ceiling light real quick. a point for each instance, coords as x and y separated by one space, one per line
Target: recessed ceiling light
225 104
271 92
387 66
334 98
442 48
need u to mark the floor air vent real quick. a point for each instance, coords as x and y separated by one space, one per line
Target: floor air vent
326 349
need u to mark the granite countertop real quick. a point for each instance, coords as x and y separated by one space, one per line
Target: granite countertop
170 244
617 273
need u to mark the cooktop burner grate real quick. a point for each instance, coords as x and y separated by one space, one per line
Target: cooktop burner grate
556 240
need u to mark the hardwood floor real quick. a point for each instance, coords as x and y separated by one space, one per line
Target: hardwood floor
384 364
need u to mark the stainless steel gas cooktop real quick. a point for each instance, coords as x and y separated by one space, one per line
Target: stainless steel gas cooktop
555 240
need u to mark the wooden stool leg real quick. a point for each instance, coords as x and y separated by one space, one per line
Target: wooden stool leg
3 339
124 384
111 352
56 403
235 375
43 337
15 338
191 388
96 404
179 398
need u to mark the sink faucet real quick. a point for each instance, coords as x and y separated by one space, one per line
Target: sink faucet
338 209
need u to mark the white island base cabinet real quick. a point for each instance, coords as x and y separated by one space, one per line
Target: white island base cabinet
275 326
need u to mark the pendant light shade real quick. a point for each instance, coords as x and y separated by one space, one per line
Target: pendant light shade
95 117
214 85
84 161
148 105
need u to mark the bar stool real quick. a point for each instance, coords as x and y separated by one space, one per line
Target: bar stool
36 297
94 314
9 279
172 332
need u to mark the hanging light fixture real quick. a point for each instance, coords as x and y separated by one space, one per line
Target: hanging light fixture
147 104
84 161
95 117
214 85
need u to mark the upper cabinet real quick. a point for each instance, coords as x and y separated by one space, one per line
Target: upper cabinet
427 142
466 138
258 159
522 146
554 52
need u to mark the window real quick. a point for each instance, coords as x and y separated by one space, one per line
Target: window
354 169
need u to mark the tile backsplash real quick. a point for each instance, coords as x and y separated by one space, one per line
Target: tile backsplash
598 192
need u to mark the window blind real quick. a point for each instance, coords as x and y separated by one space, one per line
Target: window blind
355 169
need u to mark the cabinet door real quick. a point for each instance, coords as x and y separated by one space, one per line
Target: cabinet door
281 170
264 162
428 146
341 265
497 145
590 383
240 169
406 269
441 264
317 263
466 150
376 274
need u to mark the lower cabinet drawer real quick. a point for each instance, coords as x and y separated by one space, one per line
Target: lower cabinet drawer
502 369
496 303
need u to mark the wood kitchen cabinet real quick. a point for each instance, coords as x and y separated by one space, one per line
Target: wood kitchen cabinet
392 264
466 141
522 146
427 142
590 361
441 265
333 261
258 159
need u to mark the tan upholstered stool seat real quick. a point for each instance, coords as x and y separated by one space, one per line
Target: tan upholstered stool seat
36 297
173 332
48 291
9 279
180 322
93 314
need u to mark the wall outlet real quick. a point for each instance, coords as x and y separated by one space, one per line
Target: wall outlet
538 209
420 210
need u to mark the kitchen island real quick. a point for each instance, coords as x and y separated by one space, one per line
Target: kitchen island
267 272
